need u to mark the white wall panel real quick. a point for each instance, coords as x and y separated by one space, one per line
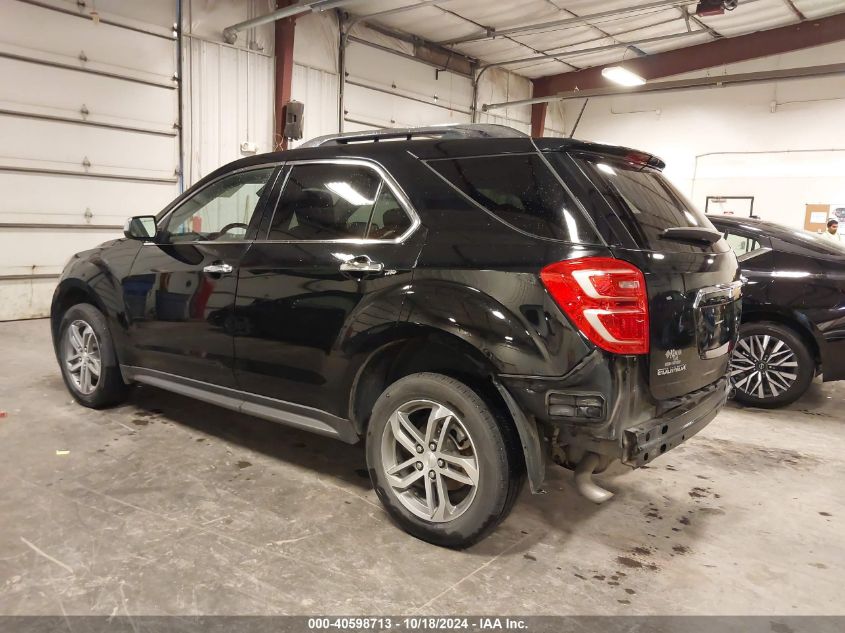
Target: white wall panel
25 298
379 109
59 145
229 101
317 89
124 81
316 40
62 37
497 86
42 198
51 91
47 250
388 90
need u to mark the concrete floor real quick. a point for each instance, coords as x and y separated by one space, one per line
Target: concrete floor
168 506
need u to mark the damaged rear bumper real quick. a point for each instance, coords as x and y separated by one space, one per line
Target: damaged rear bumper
646 441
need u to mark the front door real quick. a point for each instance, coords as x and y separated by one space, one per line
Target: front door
327 275
181 292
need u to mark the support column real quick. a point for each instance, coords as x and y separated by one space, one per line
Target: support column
538 119
284 73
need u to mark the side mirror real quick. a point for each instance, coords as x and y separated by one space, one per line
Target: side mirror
141 227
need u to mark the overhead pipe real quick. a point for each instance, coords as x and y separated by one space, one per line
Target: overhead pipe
230 33
683 84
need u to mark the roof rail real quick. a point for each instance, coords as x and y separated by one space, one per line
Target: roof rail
462 130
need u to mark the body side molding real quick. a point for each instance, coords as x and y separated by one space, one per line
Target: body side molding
287 413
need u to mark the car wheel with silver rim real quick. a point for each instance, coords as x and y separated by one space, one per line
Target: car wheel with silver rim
442 460
87 357
81 355
770 365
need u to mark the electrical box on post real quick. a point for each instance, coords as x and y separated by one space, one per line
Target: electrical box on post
294 112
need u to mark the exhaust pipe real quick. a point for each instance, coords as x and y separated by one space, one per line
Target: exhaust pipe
584 480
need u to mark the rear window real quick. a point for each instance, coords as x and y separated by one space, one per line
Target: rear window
520 190
643 199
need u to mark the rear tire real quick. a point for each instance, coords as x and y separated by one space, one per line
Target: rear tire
447 470
770 366
87 358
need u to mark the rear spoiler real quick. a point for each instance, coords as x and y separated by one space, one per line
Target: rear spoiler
624 153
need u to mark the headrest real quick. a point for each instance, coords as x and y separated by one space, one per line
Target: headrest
316 209
395 218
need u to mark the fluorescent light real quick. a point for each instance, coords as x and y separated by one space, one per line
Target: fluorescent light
348 193
622 76
606 168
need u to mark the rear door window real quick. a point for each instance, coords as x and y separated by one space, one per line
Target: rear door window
337 201
643 199
745 247
520 190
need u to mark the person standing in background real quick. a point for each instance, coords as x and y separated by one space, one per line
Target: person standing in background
832 232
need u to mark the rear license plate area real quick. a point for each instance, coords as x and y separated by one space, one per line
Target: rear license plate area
717 314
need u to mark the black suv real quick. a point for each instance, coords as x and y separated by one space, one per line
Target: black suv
470 301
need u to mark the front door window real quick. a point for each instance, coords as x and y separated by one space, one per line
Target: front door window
220 211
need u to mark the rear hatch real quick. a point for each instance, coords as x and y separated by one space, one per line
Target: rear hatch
691 275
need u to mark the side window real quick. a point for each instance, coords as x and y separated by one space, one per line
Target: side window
324 201
220 211
742 245
389 219
520 190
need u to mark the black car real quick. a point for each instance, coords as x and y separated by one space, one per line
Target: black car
470 302
793 316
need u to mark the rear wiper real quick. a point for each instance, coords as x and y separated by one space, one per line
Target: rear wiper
691 234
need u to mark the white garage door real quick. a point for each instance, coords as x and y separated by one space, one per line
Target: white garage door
88 135
384 89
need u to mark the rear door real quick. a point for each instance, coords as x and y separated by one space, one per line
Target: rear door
180 294
693 285
322 281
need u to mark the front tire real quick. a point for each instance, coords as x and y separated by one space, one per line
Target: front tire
770 365
87 358
445 466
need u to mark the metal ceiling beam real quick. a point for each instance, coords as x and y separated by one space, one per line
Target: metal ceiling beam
491 33
717 81
727 50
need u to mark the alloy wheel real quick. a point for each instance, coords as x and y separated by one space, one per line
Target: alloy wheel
763 366
430 461
82 357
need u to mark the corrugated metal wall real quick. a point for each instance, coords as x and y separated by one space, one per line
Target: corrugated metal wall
228 95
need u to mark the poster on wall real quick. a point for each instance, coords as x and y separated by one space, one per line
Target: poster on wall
817 215
740 206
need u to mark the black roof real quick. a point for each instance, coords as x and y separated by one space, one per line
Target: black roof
447 147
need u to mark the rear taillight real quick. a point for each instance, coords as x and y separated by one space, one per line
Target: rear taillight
605 298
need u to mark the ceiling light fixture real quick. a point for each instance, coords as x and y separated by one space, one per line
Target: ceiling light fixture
622 76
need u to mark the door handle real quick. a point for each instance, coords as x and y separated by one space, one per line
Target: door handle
361 264
218 269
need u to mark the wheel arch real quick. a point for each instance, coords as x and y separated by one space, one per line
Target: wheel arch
794 321
68 293
423 349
